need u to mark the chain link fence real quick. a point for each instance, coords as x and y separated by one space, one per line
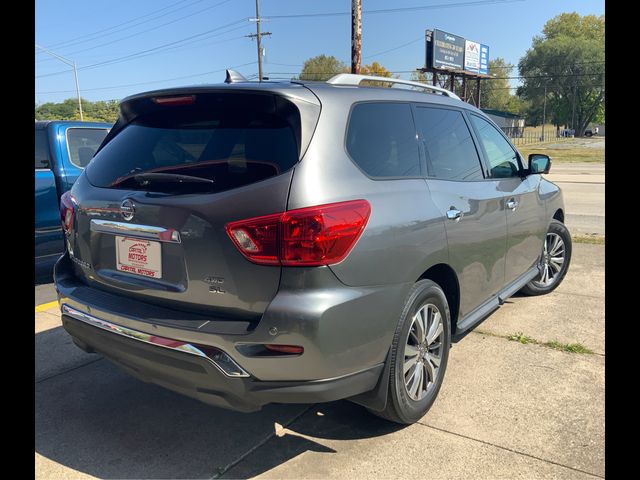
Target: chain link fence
528 135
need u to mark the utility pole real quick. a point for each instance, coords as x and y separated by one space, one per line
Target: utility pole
75 73
258 36
544 111
356 34
573 112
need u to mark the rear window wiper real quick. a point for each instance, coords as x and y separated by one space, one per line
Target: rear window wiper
147 178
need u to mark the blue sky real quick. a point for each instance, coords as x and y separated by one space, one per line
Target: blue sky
182 42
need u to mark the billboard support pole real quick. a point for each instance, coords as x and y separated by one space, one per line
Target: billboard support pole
478 99
464 87
453 82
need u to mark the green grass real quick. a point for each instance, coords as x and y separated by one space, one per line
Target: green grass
568 347
521 338
588 239
554 344
565 155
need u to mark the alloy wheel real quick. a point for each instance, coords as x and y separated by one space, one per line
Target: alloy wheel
423 351
553 257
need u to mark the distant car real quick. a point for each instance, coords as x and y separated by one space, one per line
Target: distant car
302 242
62 150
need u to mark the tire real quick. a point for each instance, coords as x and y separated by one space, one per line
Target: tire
540 285
403 406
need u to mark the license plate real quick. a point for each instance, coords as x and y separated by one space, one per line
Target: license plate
141 257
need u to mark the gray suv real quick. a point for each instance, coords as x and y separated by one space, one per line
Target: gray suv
300 242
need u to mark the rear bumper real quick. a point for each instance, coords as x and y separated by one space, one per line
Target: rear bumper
196 376
345 331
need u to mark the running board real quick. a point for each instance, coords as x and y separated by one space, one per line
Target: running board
494 302
520 282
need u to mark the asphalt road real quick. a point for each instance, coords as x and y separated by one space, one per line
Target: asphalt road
583 189
506 409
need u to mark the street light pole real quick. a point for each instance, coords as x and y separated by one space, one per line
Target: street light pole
75 74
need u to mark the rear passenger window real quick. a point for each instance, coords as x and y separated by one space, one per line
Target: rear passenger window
83 144
381 139
448 146
42 150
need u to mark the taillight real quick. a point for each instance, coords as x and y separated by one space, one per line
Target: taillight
66 210
321 235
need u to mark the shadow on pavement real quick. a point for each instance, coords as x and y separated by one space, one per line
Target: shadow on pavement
336 421
94 418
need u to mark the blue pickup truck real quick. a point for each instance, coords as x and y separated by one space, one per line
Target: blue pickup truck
63 149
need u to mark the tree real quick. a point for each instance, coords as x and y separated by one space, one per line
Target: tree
100 111
567 59
321 68
418 76
375 69
495 93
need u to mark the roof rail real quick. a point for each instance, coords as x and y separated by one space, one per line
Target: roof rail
353 79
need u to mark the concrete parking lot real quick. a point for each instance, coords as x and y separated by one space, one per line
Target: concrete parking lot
506 410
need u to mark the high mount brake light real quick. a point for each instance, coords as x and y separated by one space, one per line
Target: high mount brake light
66 210
175 101
312 236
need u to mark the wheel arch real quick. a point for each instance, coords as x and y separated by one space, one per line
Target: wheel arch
559 215
446 278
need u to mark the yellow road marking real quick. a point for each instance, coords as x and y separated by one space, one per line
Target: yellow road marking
46 306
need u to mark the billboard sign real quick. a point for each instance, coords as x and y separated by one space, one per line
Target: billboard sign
484 60
447 50
471 56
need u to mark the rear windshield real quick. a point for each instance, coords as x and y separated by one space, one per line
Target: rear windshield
226 147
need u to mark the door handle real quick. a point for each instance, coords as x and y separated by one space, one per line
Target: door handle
454 214
512 204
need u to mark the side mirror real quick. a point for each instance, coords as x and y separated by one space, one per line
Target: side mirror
539 163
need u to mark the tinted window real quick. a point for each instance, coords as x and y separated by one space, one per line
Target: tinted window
448 146
381 139
42 149
503 161
231 147
83 143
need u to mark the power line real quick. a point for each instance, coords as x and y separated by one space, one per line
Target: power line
395 48
149 29
395 10
143 52
74 41
150 82
519 77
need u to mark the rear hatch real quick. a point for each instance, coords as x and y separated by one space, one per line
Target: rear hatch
151 207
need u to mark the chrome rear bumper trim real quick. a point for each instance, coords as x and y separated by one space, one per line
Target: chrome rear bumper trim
133 230
219 359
